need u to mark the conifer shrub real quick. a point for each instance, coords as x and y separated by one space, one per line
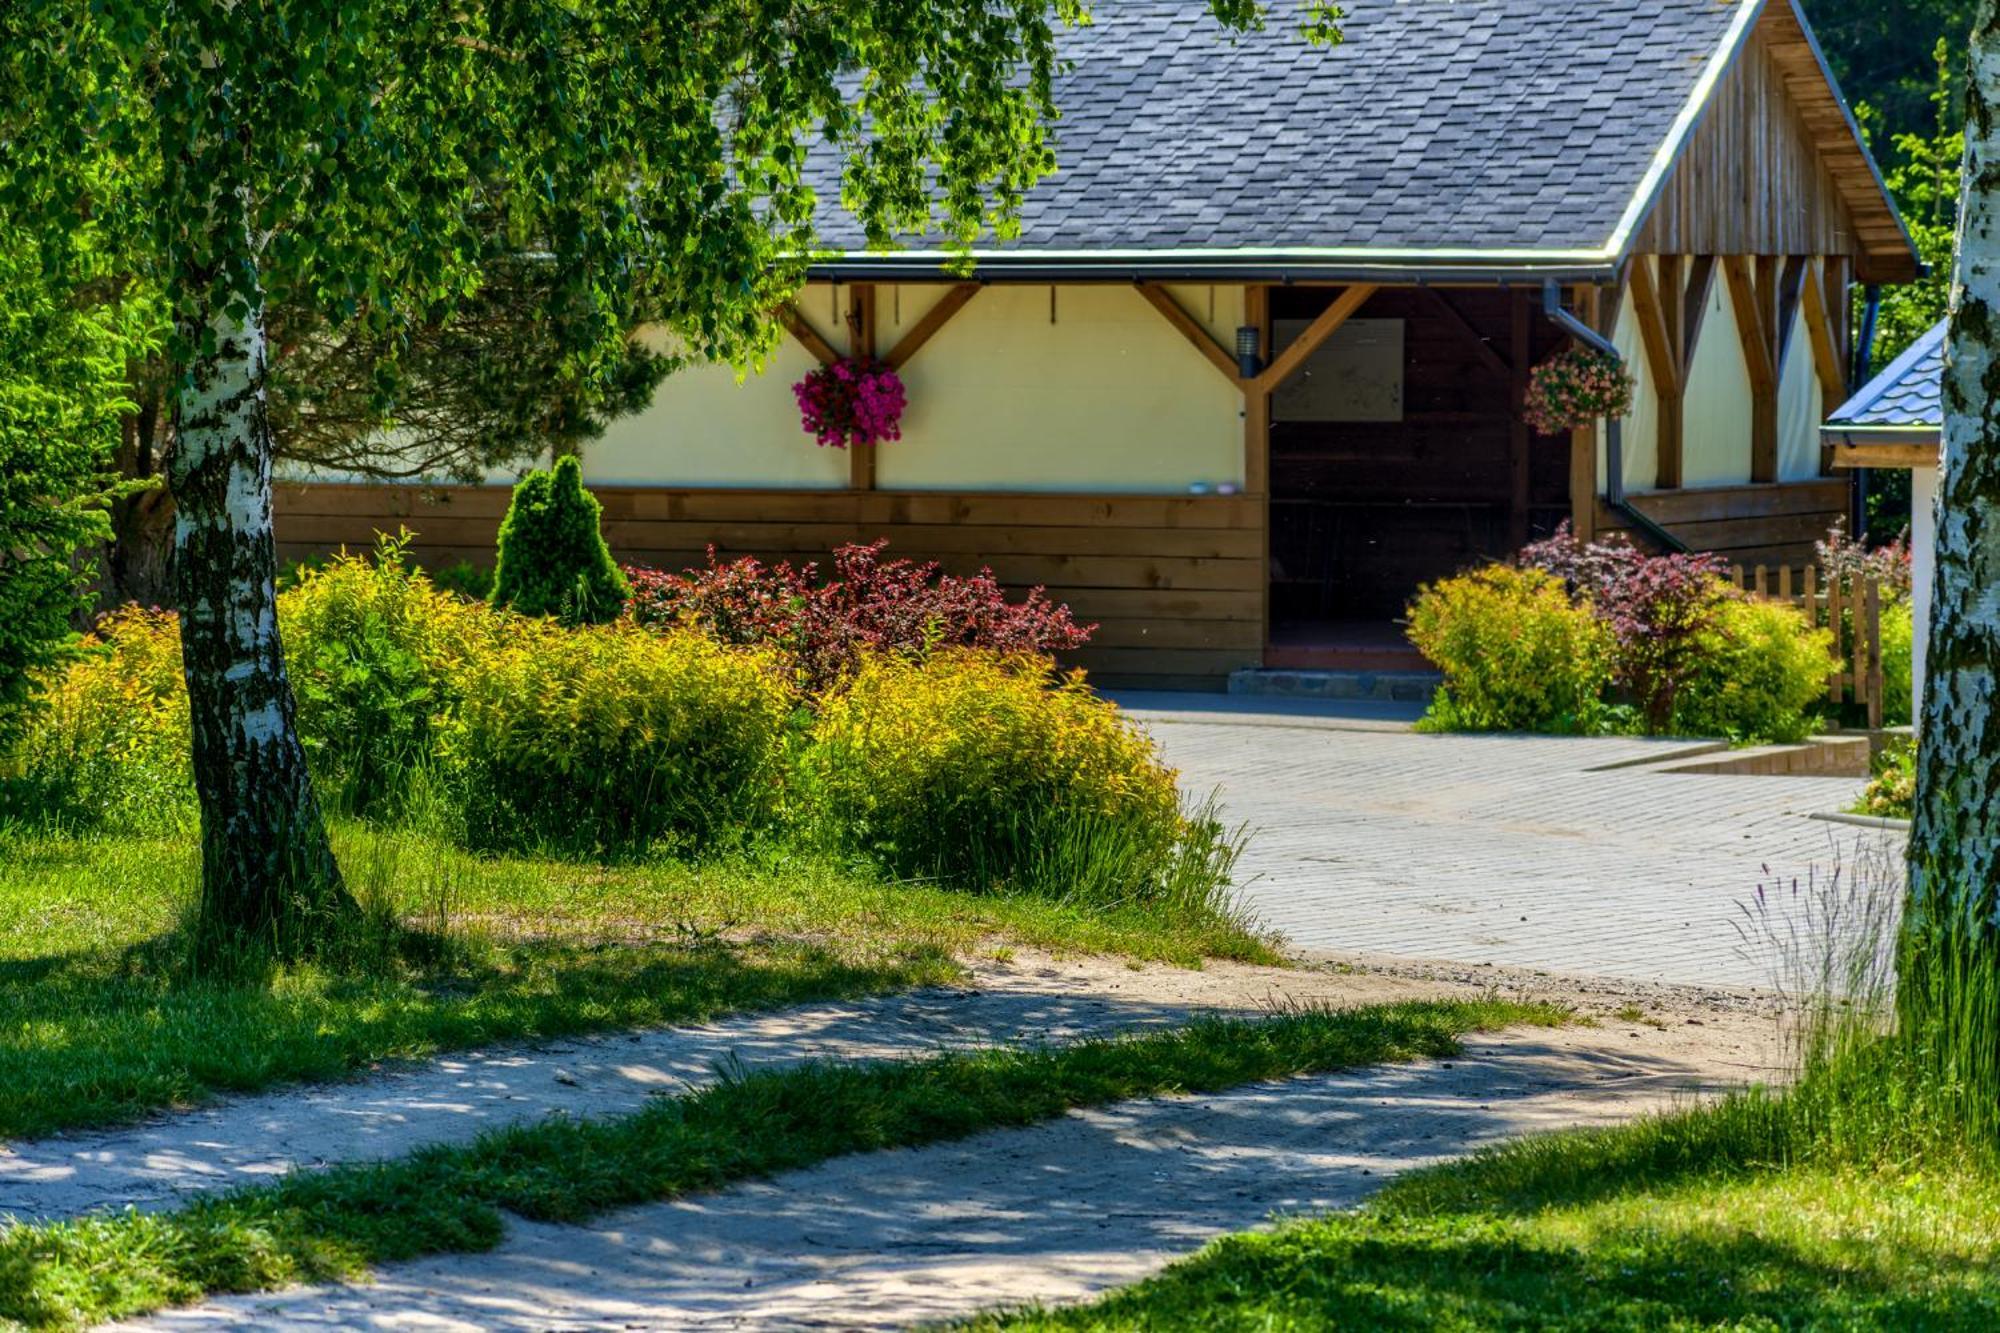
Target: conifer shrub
607 740
1759 669
1517 654
986 771
553 559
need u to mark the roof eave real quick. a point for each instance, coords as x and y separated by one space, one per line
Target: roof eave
1281 265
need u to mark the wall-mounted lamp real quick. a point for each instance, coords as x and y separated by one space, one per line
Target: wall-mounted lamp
1249 351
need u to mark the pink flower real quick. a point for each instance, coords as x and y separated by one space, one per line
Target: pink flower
853 401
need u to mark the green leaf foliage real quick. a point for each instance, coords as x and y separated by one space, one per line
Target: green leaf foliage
61 395
553 560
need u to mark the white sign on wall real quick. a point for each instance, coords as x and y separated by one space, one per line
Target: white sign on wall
1355 375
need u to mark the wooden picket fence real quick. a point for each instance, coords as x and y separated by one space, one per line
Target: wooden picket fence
1852 609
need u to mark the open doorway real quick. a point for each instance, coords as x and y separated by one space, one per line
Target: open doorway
1398 457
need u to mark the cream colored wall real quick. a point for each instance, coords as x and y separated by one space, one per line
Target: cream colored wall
1800 409
1715 447
1923 566
1102 396
712 425
1639 434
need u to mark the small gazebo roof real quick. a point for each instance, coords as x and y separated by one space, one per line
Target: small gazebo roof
1897 419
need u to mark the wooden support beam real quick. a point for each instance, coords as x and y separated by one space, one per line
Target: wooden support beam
1753 293
1520 441
1583 440
1824 332
807 335
1656 335
1285 363
861 343
1257 400
1791 295
1190 328
927 328
1479 342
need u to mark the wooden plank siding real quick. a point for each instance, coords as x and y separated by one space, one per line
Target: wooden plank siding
1176 583
1748 525
1772 169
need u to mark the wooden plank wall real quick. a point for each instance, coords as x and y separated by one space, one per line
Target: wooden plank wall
1755 177
1175 583
1748 525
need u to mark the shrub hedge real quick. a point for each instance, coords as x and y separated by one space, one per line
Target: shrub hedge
990 771
602 740
1516 653
1760 668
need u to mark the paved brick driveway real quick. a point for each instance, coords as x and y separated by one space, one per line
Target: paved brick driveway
1512 850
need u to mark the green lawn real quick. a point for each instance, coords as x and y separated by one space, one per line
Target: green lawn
1676 1224
98 1021
338 1222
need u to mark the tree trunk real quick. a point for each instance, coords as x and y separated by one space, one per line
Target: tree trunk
268 874
1954 886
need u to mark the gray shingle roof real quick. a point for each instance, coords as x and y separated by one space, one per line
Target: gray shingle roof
1488 126
1908 394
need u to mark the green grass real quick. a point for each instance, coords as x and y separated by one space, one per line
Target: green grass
100 1021
1864 1196
338 1222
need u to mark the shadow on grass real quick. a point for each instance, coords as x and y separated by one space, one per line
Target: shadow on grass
101 1037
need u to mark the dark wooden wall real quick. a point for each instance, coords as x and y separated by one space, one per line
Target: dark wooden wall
1385 507
1175 583
1775 524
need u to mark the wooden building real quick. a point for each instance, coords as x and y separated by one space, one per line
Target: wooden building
1395 230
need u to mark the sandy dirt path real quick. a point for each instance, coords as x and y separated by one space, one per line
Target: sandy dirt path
453 1099
1054 1213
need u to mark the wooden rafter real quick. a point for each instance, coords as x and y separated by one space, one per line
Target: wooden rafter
1287 362
933 320
1190 328
807 335
1479 342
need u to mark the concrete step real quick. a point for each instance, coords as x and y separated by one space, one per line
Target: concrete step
1382 686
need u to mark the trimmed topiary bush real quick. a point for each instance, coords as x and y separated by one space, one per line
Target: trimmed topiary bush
604 740
991 772
553 560
1516 653
1759 669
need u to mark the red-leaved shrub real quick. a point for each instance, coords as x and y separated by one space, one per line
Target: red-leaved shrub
868 602
1659 606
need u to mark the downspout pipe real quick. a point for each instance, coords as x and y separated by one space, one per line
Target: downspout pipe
1614 438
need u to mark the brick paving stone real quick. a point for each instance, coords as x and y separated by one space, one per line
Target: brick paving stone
1513 850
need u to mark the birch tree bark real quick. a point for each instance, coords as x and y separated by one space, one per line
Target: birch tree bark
268 872
1955 841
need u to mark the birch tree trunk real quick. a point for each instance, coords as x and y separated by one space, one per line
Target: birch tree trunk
1954 902
268 873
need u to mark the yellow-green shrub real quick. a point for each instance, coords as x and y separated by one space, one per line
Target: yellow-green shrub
1516 653
986 771
108 741
1760 668
608 739
1899 634
375 653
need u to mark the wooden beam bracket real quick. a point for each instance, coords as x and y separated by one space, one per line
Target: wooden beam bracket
1287 362
1191 329
933 320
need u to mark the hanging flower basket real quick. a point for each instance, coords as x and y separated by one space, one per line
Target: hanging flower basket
1575 387
855 401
